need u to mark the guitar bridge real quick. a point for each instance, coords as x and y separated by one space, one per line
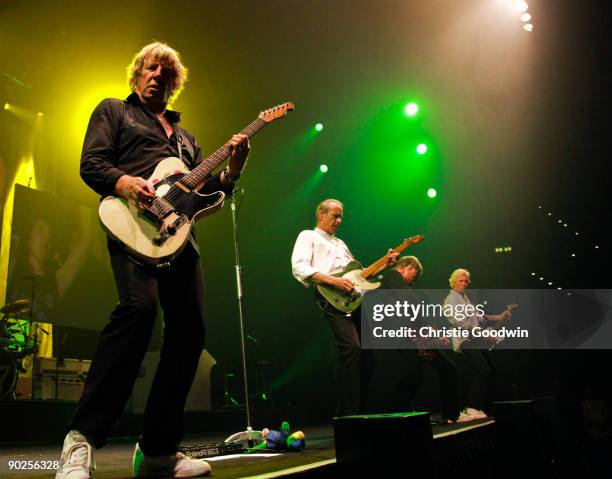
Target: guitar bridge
170 230
157 210
153 216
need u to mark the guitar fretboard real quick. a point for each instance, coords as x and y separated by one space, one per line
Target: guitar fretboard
200 172
160 207
381 263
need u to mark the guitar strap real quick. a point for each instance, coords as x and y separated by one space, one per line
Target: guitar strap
183 141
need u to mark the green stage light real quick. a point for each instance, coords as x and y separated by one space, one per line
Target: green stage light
319 127
421 148
411 109
432 193
323 168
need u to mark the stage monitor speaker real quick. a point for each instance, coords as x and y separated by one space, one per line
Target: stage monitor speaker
402 442
198 398
528 431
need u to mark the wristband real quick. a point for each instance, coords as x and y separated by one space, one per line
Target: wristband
229 176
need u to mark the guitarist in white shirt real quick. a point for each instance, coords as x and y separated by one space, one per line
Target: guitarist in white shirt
317 255
474 365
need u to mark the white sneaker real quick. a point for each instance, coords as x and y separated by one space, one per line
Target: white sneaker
175 465
463 417
77 461
476 413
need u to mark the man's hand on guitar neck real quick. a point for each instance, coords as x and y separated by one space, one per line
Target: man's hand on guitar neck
342 284
136 190
392 257
239 148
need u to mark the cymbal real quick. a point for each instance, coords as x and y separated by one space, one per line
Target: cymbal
19 306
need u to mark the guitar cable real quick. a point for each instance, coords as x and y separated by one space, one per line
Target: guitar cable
242 194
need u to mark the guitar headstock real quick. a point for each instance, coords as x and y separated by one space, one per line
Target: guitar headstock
512 307
276 112
409 241
414 239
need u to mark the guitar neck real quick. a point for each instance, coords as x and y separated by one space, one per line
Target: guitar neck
380 263
200 172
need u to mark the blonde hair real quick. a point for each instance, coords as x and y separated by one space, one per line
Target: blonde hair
455 276
169 57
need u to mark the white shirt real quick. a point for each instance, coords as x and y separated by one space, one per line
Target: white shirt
316 251
469 322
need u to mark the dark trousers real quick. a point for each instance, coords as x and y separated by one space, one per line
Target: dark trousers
449 384
475 374
353 365
398 373
124 341
396 376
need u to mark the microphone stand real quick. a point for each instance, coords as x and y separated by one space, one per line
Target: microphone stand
36 380
249 436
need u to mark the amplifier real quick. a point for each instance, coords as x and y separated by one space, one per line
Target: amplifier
68 389
199 395
67 367
63 381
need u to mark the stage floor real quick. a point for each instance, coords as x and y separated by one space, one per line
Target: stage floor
114 460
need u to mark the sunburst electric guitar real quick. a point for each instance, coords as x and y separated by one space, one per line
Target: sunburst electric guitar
348 302
157 234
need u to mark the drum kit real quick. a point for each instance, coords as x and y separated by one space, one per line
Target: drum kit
18 340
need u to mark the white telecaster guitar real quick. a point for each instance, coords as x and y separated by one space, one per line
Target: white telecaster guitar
160 232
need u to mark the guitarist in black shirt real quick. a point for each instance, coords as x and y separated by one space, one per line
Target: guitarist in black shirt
125 141
397 373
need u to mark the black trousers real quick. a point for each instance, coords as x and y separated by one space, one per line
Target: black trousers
398 374
353 365
395 379
475 375
446 368
124 341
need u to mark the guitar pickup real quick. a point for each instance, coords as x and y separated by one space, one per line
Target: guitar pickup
149 213
170 230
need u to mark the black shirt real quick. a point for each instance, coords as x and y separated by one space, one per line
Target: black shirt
394 280
124 137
